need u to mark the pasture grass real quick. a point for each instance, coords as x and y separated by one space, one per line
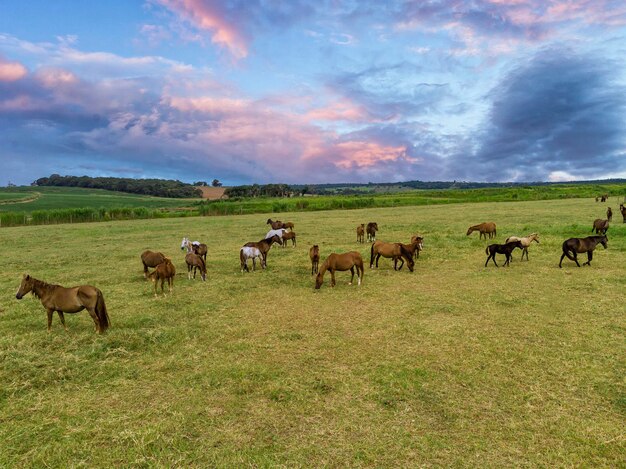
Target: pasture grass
453 365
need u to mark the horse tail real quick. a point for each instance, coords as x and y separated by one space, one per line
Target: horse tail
566 251
487 250
372 255
102 313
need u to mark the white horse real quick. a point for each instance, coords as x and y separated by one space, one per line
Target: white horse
186 244
248 252
525 242
279 232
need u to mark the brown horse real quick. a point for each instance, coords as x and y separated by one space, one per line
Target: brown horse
360 233
600 226
609 214
264 245
486 228
164 271
371 229
505 249
288 225
151 259
195 262
289 235
418 243
200 249
604 197
574 246
314 254
623 210
276 225
67 300
341 262
395 251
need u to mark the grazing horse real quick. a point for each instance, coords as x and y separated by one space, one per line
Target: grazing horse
360 233
253 253
341 262
486 228
609 214
505 249
314 254
195 262
67 300
395 251
574 246
420 245
164 271
264 245
151 259
525 242
276 225
196 247
600 226
623 210
289 235
372 228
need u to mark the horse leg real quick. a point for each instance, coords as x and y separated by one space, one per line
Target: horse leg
351 278
332 277
493 257
145 270
62 319
561 261
377 257
401 259
589 257
94 316
162 283
50 313
508 259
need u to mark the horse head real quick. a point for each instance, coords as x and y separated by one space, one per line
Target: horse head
319 279
25 286
604 241
184 243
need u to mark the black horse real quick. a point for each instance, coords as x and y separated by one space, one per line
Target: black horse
574 246
505 249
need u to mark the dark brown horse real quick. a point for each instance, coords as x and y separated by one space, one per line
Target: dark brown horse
314 254
67 300
604 197
623 210
264 245
574 246
164 271
371 229
395 251
195 262
600 226
341 262
360 233
505 249
276 225
609 214
486 228
151 259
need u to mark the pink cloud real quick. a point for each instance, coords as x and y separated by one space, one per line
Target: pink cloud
207 15
11 71
338 111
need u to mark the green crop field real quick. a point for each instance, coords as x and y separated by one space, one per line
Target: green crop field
452 365
48 198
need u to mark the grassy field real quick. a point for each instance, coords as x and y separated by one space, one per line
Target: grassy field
453 365
49 198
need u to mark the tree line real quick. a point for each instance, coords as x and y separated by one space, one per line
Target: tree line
155 187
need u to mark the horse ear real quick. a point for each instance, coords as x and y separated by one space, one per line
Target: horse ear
26 277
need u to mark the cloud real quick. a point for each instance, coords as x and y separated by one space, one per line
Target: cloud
558 114
11 71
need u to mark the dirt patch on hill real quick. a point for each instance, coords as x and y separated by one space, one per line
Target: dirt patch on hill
212 193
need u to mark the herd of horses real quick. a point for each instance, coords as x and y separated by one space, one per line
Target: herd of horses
56 298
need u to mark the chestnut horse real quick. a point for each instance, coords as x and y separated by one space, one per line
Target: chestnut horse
486 228
67 300
151 259
289 235
418 245
573 246
314 254
341 262
195 262
264 245
360 233
164 271
395 251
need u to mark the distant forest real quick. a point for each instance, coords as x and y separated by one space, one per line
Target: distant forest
154 187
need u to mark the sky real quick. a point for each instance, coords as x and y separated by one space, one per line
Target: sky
313 91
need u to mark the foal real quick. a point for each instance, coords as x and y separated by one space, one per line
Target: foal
505 249
525 242
164 271
600 226
289 235
195 262
360 233
314 254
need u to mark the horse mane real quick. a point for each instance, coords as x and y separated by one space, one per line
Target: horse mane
41 285
405 252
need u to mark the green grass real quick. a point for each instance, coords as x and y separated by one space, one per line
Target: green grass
453 365
75 197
